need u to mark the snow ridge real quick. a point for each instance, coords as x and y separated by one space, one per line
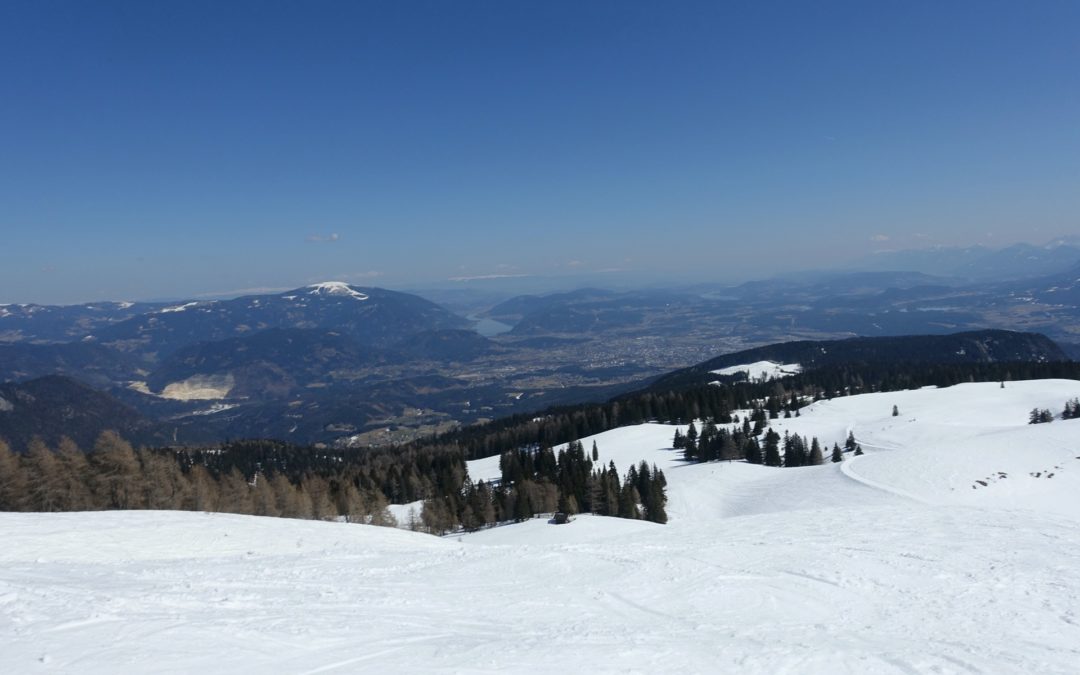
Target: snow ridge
336 288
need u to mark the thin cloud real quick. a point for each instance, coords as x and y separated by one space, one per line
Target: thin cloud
237 292
323 238
481 277
370 274
880 237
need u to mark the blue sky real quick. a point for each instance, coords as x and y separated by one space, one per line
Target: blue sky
156 149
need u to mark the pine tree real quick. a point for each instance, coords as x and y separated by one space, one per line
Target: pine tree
895 411
772 448
164 485
752 451
13 483
816 457
794 451
75 472
837 453
117 473
43 473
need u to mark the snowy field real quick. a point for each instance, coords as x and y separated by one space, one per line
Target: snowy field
898 561
761 370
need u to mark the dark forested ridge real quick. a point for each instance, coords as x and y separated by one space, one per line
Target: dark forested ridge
831 368
56 406
969 347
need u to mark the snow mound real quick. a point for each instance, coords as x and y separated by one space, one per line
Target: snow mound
336 288
762 370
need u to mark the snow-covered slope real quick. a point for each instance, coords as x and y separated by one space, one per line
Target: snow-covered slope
761 370
886 563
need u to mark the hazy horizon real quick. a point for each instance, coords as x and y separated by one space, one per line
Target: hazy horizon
182 150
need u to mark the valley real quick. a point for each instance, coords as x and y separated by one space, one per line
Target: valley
344 365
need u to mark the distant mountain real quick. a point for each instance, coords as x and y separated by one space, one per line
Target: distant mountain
513 310
90 362
592 311
834 285
55 406
980 263
368 316
971 347
55 323
1058 289
270 364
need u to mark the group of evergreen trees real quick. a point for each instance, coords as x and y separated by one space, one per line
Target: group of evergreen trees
270 478
1072 410
741 442
718 443
1037 416
540 481
255 477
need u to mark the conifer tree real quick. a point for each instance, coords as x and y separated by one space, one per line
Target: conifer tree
752 451
43 474
13 484
772 448
75 472
117 473
837 453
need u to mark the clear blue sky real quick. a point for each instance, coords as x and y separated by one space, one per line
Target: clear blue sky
167 149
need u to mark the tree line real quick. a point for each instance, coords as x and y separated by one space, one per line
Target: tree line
271 478
265 477
776 398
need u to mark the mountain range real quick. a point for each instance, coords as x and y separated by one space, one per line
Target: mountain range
55 406
334 363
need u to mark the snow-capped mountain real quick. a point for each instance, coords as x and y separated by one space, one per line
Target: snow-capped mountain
368 316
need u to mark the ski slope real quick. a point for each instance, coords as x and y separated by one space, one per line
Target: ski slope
886 563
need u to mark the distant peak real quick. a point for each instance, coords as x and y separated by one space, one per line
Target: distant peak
335 288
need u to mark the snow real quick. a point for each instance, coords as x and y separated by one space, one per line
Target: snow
762 370
336 288
178 308
405 514
215 409
886 563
